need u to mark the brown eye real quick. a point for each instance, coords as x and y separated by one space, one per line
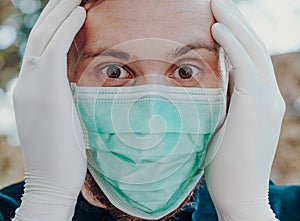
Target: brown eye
185 71
114 71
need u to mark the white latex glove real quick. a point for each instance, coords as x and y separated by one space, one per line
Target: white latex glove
238 176
48 126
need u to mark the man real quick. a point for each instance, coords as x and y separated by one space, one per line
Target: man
146 51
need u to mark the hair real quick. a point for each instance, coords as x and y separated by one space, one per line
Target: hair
83 2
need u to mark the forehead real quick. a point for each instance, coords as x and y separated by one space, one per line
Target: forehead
113 22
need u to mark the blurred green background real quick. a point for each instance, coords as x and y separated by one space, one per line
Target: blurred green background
281 34
17 17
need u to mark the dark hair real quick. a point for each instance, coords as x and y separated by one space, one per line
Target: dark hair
83 2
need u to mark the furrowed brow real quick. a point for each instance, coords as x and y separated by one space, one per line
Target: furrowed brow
194 46
108 53
119 54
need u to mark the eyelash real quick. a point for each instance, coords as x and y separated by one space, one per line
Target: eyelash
182 65
100 68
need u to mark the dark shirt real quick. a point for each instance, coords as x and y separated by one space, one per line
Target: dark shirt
284 200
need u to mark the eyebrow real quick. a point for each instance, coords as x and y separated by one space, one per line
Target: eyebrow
116 53
178 52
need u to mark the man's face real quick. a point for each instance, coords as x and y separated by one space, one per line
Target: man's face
134 42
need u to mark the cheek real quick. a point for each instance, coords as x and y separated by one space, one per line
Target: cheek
81 71
213 63
212 59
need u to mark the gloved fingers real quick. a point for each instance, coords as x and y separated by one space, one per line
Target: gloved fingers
245 71
64 36
261 58
226 14
244 20
46 11
40 37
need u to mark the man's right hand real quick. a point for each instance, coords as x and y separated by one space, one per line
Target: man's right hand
48 125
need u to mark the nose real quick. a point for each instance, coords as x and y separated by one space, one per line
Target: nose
153 72
153 79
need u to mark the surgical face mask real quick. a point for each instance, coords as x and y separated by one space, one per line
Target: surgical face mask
146 144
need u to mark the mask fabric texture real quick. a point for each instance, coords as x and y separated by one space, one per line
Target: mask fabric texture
146 144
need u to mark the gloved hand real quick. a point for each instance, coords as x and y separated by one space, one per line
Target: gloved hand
47 122
238 175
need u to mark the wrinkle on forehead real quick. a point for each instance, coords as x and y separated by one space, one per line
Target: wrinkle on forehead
115 21
153 49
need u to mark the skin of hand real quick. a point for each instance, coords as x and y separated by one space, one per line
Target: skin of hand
48 125
238 175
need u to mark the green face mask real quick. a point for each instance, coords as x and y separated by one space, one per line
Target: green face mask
146 144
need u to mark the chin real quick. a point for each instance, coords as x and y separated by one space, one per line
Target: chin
94 195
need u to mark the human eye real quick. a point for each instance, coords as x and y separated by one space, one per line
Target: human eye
115 71
186 71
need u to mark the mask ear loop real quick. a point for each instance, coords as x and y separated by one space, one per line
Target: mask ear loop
215 142
224 72
224 67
